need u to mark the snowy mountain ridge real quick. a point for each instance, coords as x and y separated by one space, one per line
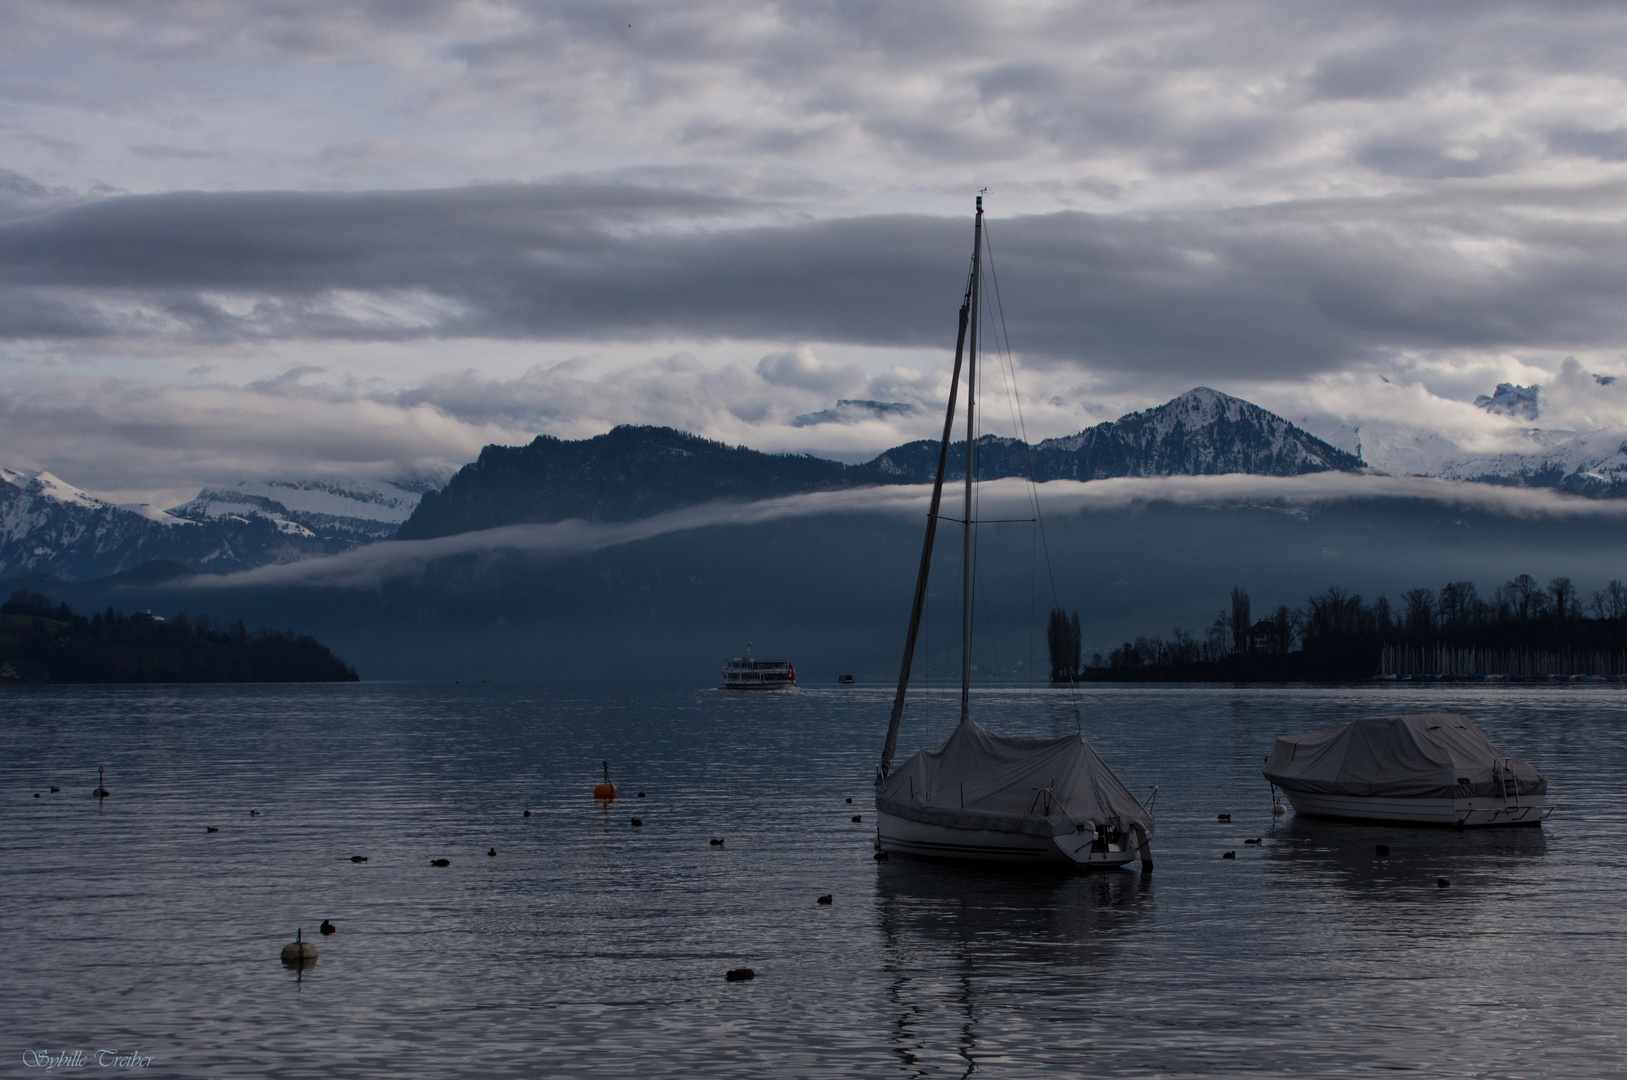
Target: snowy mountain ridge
363 509
48 526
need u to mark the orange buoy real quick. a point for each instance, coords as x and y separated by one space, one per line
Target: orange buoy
606 790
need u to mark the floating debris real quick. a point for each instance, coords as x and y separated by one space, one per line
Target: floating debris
327 928
826 900
739 974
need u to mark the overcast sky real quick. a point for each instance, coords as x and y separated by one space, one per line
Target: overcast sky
263 239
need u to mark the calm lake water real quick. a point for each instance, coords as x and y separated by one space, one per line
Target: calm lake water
588 947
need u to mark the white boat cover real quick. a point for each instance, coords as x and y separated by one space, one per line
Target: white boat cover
1422 756
1040 787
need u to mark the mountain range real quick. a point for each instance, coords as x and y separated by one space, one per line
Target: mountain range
50 527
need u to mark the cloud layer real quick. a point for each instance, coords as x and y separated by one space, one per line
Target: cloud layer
371 566
698 211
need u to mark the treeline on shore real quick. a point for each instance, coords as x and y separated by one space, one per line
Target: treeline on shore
46 642
1522 628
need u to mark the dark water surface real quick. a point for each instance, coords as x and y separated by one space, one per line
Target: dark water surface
587 947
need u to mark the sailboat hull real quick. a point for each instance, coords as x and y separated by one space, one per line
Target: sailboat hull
904 837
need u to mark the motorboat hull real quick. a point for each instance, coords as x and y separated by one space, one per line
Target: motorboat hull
922 840
1450 813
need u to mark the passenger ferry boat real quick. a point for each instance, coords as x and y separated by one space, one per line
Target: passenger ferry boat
746 673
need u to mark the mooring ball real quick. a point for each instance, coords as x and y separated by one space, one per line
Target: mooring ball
1229 855
440 862
604 791
638 821
1381 850
857 818
299 953
739 974
823 899
1278 809
1441 883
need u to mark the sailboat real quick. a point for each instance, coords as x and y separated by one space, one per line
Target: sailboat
982 796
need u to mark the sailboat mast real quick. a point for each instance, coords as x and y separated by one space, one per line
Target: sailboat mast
890 747
966 518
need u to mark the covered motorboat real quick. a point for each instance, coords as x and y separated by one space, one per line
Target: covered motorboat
1001 798
1422 769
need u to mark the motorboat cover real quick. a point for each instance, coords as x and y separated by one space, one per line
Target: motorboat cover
1422 756
1039 787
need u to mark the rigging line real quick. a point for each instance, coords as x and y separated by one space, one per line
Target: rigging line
1028 456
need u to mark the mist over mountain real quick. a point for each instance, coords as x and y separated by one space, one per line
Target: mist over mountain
636 471
830 588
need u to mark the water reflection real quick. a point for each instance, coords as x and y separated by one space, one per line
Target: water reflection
1311 852
961 940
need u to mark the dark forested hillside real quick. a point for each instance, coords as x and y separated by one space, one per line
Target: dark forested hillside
629 472
45 642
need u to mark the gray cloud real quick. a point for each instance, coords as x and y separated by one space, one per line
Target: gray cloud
1283 289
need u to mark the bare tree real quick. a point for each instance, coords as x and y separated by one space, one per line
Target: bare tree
1240 621
1564 597
1420 610
1610 602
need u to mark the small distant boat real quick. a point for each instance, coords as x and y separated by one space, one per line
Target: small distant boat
1421 769
748 673
845 680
